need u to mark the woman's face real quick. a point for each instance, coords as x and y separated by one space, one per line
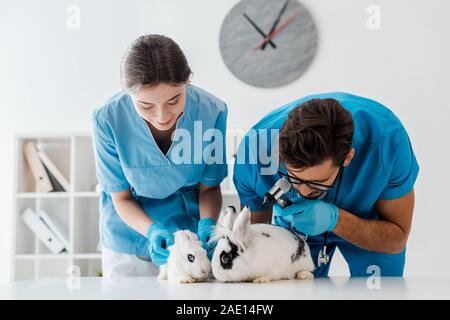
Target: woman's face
161 105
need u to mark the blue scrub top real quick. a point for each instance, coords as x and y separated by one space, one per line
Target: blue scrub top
384 165
165 185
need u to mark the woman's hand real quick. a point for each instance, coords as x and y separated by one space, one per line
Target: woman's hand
159 240
205 229
210 203
134 216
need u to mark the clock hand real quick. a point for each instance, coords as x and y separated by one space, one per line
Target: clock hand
278 30
259 30
276 21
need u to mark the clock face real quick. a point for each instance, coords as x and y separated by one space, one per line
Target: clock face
268 43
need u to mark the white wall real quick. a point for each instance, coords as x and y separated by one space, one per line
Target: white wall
52 78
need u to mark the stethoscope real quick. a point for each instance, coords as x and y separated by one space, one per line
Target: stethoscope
323 258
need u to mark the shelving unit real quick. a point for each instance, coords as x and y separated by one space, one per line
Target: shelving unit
77 209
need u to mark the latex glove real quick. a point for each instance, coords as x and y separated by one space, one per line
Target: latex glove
159 240
205 229
312 217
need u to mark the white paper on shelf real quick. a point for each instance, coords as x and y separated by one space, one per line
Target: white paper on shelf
58 228
42 231
43 183
53 170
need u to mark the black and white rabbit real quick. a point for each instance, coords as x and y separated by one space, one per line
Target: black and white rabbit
258 252
187 262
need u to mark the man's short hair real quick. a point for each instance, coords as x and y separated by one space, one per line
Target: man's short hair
315 131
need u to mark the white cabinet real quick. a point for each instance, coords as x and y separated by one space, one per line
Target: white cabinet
76 209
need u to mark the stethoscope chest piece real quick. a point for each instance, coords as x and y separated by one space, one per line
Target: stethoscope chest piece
323 258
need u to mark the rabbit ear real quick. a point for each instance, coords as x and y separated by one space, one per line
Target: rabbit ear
242 222
184 236
229 216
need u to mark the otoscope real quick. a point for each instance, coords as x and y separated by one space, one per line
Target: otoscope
281 187
275 194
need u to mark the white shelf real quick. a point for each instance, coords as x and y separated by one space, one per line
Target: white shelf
87 194
49 195
37 195
87 256
76 209
59 256
41 256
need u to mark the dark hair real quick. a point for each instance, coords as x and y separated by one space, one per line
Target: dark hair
316 130
151 60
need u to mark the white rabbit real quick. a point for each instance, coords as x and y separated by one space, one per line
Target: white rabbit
187 262
258 252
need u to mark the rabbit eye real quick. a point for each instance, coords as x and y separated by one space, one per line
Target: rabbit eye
225 258
191 257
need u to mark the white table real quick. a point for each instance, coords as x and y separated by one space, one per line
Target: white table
150 288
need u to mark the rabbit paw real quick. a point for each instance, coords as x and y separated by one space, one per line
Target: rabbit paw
304 275
262 279
162 273
185 279
162 277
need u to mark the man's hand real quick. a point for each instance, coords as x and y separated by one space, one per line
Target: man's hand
311 217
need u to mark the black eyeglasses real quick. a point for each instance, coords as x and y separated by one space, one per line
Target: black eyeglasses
319 189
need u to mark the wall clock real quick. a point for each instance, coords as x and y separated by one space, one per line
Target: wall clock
268 43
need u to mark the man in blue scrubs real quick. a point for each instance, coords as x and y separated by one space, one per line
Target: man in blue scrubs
352 170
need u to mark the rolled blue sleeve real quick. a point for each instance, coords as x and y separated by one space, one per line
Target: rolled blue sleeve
399 162
216 172
107 162
244 179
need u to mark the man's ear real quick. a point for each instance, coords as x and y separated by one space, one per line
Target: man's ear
349 157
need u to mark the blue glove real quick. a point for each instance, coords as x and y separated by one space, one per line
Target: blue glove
160 239
312 217
205 228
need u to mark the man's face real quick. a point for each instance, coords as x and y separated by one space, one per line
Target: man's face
324 173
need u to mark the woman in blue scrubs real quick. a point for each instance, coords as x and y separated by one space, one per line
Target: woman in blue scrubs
160 158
